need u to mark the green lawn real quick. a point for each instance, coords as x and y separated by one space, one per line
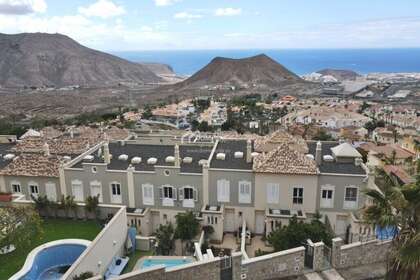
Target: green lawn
54 229
134 258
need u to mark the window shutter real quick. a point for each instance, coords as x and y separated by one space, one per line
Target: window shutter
195 194
174 193
181 193
160 192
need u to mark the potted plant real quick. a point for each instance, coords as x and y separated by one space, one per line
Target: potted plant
5 197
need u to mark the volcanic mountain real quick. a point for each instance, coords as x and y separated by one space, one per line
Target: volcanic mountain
245 72
40 59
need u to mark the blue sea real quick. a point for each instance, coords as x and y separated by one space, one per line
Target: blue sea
299 61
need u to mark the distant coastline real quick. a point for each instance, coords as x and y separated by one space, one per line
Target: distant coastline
300 61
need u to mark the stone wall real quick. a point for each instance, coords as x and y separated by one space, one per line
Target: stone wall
209 270
281 264
355 254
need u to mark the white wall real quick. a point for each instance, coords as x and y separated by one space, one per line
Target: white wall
109 243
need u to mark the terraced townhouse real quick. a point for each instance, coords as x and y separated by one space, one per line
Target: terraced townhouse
223 181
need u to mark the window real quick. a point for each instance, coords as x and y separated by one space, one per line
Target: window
327 196
244 192
96 190
350 197
297 195
188 193
351 194
51 191
116 189
168 192
273 191
116 193
16 188
148 195
223 190
33 189
77 190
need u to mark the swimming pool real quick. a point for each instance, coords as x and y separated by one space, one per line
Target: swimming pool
148 262
51 260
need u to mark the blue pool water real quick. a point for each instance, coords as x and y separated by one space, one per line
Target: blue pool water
51 262
166 262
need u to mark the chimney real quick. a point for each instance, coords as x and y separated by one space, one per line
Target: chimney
47 149
177 157
71 133
248 151
107 157
318 153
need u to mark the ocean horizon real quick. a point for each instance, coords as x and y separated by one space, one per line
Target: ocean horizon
300 61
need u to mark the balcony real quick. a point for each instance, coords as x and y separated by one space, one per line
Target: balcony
188 203
169 202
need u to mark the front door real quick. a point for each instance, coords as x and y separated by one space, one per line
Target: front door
155 221
50 190
229 223
259 223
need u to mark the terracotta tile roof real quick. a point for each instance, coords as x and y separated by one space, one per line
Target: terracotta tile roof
386 150
83 138
36 165
284 160
270 142
399 173
60 146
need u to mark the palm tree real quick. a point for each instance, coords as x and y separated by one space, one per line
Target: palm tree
398 207
92 203
41 204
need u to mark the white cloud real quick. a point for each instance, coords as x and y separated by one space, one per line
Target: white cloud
162 3
103 9
228 12
186 15
22 7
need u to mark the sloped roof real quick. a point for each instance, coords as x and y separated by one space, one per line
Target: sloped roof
284 160
345 150
36 165
30 133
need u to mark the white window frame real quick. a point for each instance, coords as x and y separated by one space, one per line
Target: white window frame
96 184
168 201
77 183
244 191
297 196
148 189
52 195
350 204
115 198
36 187
273 193
188 202
223 190
327 202
15 183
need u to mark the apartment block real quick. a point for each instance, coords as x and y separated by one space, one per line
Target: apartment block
223 181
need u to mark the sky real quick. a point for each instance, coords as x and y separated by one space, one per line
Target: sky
130 25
